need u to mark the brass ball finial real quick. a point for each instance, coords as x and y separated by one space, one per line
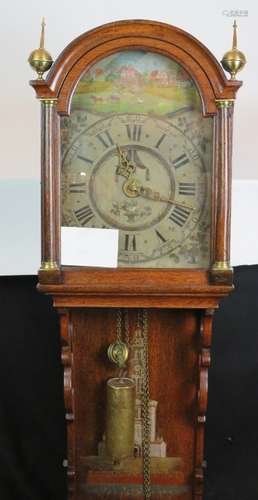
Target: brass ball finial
233 60
40 59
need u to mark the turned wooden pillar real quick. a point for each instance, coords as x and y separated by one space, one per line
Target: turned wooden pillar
50 186
221 270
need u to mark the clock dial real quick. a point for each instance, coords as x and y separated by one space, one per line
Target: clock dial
145 173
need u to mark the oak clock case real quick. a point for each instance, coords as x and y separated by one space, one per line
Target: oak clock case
137 136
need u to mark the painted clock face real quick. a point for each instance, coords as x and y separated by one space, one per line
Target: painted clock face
136 156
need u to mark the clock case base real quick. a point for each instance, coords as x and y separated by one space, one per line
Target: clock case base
179 358
180 316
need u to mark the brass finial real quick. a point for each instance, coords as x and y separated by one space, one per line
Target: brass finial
40 60
234 60
234 43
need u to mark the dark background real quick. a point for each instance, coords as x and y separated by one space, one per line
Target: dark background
32 428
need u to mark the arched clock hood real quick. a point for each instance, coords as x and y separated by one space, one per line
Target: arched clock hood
165 39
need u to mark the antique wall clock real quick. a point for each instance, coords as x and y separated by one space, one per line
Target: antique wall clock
137 136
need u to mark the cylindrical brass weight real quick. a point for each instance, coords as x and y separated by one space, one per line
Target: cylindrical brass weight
120 416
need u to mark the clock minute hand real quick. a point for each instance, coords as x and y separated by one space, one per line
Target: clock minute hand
133 188
148 193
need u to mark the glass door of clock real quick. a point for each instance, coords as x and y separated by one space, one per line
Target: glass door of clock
137 156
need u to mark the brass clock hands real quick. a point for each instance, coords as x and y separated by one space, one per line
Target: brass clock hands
148 193
125 168
133 188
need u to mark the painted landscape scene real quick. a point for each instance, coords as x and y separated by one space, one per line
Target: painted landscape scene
136 82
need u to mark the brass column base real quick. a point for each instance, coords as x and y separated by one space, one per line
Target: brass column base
49 265
221 273
49 272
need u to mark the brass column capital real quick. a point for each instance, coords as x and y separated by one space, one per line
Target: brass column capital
49 101
224 103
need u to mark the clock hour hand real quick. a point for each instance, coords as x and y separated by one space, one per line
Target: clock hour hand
125 167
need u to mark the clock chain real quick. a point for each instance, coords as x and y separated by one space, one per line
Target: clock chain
127 329
119 326
145 410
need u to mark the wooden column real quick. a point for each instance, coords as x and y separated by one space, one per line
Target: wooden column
221 271
50 188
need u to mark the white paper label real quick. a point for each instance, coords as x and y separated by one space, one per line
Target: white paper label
89 247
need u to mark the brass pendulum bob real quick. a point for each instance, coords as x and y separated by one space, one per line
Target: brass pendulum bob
233 60
40 59
118 351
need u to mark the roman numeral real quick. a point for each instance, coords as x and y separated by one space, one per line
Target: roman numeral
84 215
161 139
75 146
105 139
134 132
187 188
83 158
194 154
77 187
73 150
180 215
159 235
130 242
180 161
132 155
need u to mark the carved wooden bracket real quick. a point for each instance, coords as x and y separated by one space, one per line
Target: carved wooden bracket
202 400
67 361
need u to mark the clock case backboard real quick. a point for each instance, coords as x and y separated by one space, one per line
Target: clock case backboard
181 300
